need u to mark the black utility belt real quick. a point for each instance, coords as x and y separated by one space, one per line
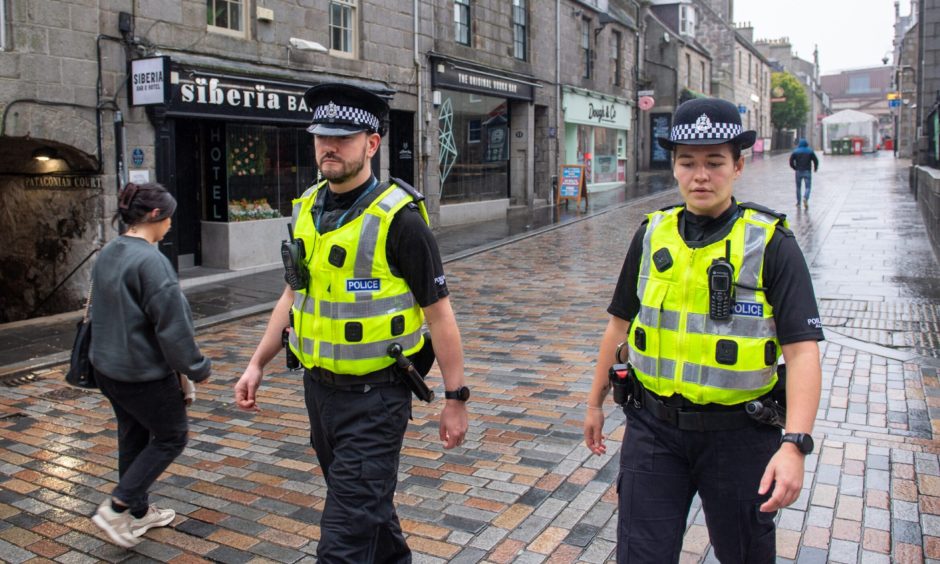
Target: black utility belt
349 382
688 420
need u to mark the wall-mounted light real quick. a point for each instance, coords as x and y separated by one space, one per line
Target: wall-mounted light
44 154
436 97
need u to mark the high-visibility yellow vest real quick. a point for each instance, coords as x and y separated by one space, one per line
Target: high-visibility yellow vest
674 346
354 306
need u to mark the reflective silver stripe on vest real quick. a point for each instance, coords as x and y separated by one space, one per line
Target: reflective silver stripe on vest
393 199
292 339
754 237
362 310
660 368
647 255
653 317
714 377
738 326
368 239
365 351
355 310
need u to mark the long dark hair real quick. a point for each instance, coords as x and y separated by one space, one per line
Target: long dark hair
137 201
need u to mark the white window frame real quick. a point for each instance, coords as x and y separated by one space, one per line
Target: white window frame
353 31
687 20
3 25
520 27
239 33
463 8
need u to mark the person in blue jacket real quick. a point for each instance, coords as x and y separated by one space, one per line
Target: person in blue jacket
803 160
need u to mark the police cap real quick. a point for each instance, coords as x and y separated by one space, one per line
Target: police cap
342 109
707 121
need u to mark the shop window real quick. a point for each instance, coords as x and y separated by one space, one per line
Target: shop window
462 21
604 167
226 16
343 26
474 145
267 167
519 30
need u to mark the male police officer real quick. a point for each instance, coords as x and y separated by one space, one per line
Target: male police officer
709 294
369 275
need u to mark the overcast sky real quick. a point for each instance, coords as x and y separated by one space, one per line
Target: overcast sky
849 33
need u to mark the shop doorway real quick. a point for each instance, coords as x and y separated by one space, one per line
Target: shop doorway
401 151
188 191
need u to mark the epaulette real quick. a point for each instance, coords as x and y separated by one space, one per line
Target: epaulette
783 226
757 207
418 196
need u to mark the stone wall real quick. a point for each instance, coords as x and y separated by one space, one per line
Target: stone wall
926 188
47 232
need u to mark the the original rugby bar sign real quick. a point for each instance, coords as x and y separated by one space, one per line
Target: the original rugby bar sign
149 81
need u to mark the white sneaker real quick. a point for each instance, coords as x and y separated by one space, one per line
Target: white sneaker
155 517
116 525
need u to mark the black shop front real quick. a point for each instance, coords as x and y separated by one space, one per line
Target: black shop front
235 152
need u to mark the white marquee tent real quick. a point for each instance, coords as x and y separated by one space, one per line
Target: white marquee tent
850 123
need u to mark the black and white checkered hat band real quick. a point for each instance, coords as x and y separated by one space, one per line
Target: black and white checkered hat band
332 113
690 131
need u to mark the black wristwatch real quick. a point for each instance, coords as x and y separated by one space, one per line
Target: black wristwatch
462 393
803 442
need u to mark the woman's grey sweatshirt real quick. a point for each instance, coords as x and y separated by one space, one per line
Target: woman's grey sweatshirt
142 327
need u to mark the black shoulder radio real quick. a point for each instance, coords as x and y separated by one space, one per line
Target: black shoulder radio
293 255
720 286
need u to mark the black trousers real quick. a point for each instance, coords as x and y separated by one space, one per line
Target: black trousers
661 470
357 436
152 432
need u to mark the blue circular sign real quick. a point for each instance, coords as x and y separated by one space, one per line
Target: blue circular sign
137 156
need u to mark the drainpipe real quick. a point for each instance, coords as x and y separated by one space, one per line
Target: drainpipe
559 131
419 147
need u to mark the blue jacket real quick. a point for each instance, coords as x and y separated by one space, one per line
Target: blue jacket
803 157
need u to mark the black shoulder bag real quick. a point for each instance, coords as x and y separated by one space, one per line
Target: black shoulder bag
81 373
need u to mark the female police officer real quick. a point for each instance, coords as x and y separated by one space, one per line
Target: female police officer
709 295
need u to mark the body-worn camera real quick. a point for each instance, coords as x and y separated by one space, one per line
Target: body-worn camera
293 254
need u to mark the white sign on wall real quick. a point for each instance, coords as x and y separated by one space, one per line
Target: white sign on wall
149 81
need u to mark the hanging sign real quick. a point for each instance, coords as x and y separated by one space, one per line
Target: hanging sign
149 81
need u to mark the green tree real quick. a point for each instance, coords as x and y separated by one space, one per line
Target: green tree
791 112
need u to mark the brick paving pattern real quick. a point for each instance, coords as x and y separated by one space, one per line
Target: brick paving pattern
522 488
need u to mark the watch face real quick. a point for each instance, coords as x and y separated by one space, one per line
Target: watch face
807 444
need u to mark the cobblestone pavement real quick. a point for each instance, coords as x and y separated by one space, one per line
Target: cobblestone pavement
522 488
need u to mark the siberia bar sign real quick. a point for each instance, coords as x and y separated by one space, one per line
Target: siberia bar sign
149 81
235 97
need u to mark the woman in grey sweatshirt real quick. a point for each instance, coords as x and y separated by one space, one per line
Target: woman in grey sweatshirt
142 336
